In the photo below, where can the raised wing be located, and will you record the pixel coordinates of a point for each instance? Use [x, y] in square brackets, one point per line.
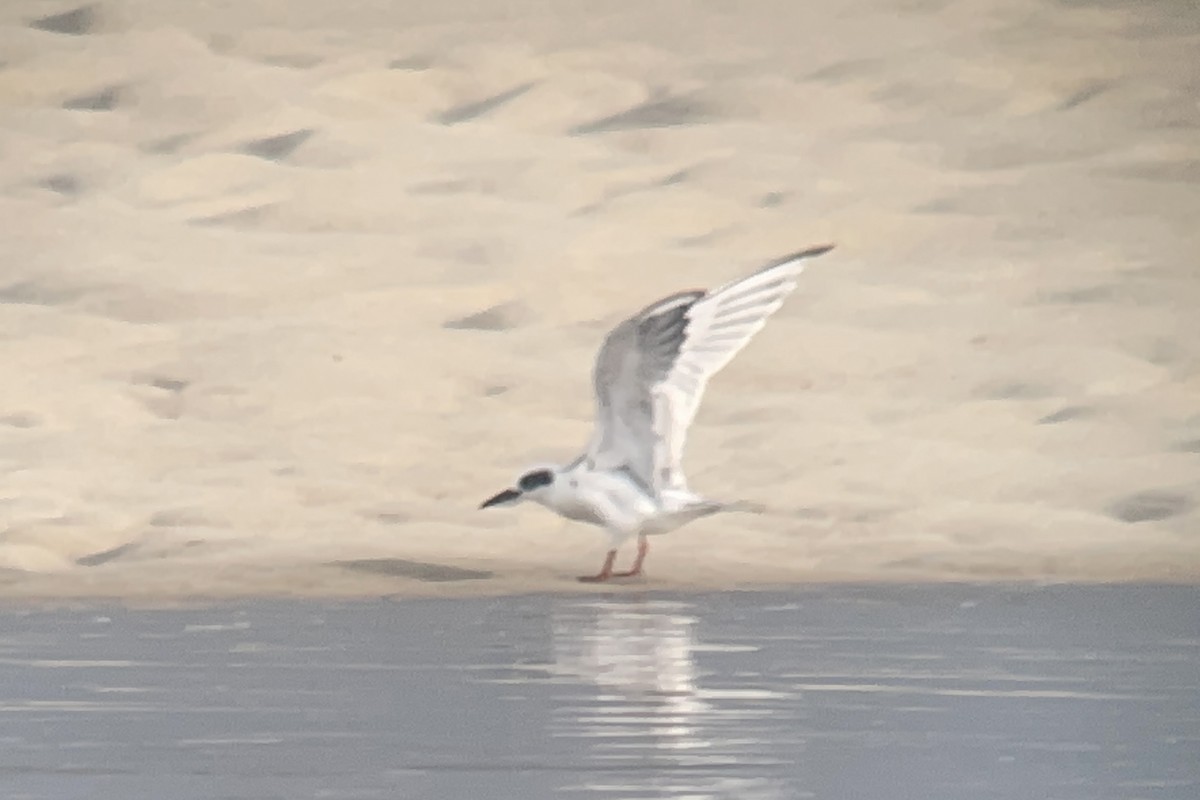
[652, 369]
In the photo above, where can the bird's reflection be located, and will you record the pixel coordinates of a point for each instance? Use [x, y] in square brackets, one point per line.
[641, 654]
[651, 730]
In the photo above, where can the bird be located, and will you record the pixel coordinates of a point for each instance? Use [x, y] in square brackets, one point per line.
[649, 377]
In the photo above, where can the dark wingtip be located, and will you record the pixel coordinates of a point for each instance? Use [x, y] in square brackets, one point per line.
[810, 252]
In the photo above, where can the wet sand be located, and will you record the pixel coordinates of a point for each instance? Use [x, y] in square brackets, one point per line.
[291, 286]
[928, 693]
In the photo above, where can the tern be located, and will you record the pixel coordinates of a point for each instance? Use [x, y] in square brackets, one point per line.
[649, 378]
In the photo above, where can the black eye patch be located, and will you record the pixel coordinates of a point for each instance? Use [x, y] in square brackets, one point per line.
[532, 480]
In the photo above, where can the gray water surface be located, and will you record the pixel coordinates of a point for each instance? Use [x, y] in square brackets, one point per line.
[837, 692]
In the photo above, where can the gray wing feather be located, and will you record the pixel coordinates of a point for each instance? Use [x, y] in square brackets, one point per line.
[636, 356]
[652, 369]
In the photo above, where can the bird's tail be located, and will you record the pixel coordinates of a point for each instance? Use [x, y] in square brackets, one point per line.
[744, 507]
[688, 501]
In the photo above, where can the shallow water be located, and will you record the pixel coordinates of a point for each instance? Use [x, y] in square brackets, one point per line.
[838, 692]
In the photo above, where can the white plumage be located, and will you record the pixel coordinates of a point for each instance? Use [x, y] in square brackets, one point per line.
[649, 378]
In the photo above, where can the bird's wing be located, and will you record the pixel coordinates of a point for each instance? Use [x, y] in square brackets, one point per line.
[652, 369]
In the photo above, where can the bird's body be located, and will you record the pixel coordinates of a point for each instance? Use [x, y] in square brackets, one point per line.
[649, 378]
[618, 501]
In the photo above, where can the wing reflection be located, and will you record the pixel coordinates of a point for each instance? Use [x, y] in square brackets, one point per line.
[642, 654]
[652, 729]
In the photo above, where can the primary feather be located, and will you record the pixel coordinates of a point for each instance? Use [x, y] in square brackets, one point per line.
[653, 368]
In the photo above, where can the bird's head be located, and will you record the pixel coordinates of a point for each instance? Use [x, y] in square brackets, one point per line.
[532, 485]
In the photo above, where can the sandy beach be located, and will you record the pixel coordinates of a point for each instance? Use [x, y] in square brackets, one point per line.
[288, 288]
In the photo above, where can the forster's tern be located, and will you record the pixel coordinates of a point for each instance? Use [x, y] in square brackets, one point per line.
[649, 377]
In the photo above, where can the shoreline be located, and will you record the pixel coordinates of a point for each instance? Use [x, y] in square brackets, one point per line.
[403, 579]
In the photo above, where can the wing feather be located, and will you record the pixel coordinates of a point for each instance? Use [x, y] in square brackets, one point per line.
[653, 368]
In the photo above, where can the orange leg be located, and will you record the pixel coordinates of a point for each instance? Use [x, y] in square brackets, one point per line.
[605, 571]
[643, 548]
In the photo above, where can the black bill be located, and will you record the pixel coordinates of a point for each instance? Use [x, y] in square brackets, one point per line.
[507, 496]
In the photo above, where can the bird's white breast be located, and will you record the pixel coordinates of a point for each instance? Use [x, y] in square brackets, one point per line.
[604, 498]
